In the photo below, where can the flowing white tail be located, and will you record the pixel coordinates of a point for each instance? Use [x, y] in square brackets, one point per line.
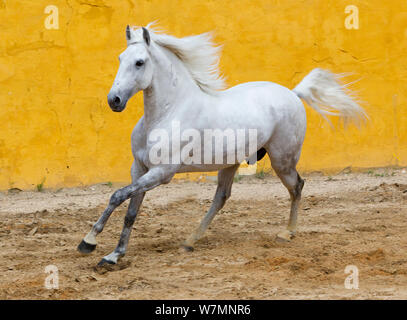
[322, 91]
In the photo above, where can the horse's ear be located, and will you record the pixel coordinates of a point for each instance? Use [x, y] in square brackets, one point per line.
[146, 36]
[128, 33]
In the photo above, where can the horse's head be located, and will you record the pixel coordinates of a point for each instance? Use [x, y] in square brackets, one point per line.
[135, 71]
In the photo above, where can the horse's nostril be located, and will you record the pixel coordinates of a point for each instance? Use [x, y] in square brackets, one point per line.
[117, 100]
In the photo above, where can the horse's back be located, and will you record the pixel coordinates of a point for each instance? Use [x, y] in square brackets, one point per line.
[275, 99]
[275, 104]
[266, 92]
[260, 85]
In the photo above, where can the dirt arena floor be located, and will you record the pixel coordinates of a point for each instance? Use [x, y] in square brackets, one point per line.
[347, 219]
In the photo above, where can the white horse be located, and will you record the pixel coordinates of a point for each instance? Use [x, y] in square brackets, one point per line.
[181, 82]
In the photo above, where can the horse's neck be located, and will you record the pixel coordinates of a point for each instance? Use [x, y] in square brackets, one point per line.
[171, 82]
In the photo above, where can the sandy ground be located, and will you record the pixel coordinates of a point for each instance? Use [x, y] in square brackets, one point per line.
[347, 219]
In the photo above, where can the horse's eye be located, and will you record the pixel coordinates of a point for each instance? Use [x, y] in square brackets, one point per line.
[139, 63]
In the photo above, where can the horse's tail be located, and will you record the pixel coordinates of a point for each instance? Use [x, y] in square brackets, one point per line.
[322, 91]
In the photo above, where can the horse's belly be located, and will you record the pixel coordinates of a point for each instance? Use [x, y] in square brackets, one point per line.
[202, 167]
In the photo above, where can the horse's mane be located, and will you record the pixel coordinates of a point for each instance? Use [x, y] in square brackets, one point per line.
[199, 55]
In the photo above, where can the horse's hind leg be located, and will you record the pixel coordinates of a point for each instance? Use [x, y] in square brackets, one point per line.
[223, 191]
[294, 184]
[284, 164]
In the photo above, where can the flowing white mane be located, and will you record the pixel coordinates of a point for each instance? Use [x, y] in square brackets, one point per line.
[199, 55]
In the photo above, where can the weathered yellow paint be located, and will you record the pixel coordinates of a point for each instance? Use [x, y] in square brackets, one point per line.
[55, 122]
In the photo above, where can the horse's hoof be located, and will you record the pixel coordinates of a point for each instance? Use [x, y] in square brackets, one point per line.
[85, 247]
[284, 236]
[106, 265]
[187, 248]
[104, 262]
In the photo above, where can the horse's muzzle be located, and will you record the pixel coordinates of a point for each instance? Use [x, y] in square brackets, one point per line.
[116, 103]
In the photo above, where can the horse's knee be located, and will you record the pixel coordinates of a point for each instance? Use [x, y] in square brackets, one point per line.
[117, 198]
[129, 219]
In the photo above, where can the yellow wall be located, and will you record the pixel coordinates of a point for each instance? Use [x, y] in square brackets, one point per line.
[55, 122]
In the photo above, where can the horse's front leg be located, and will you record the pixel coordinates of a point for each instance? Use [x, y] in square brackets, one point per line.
[136, 191]
[134, 206]
[88, 244]
[148, 181]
